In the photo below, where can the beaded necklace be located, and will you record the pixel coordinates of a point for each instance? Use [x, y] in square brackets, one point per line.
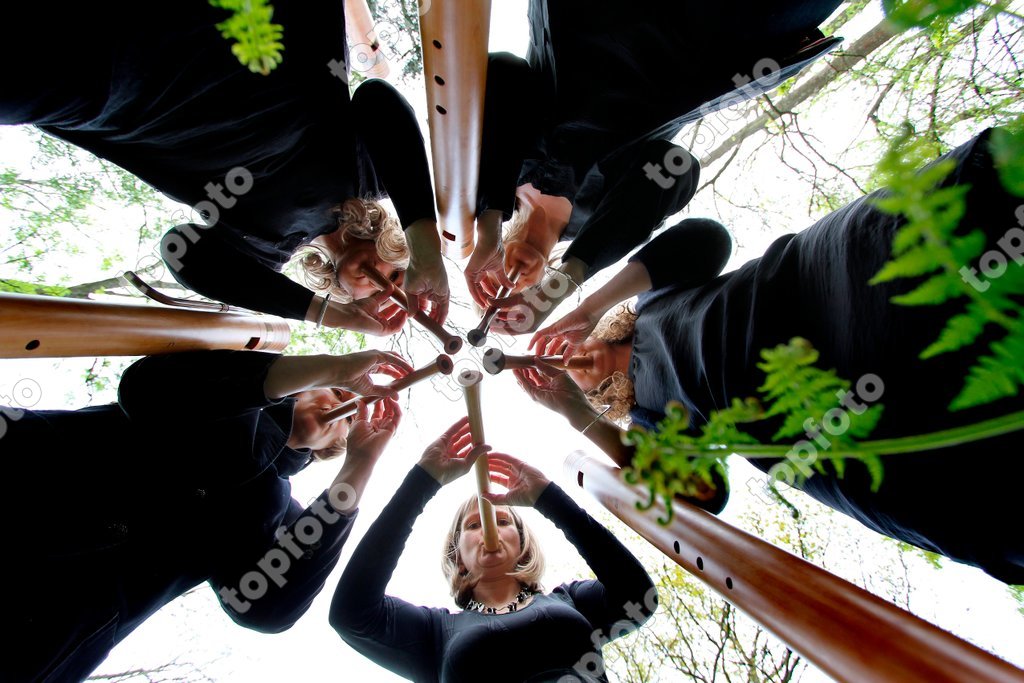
[522, 595]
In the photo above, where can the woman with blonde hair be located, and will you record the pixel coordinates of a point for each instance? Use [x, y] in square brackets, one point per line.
[268, 163]
[700, 345]
[508, 629]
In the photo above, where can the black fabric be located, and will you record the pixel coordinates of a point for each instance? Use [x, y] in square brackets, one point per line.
[604, 86]
[127, 506]
[167, 101]
[551, 634]
[701, 346]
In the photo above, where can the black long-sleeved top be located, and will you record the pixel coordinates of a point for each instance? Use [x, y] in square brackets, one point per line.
[602, 90]
[127, 506]
[540, 642]
[701, 346]
[167, 101]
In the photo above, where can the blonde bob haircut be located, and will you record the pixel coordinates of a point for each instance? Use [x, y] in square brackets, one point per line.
[529, 565]
[358, 219]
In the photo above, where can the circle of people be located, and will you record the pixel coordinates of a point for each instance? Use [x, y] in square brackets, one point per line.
[291, 166]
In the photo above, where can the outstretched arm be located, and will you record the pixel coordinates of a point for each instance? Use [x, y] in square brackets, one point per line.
[210, 385]
[294, 569]
[393, 633]
[636, 189]
[204, 261]
[391, 136]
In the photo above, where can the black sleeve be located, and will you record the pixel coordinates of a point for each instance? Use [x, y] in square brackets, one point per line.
[195, 386]
[625, 197]
[295, 572]
[398, 636]
[202, 260]
[623, 594]
[387, 128]
[511, 130]
[688, 254]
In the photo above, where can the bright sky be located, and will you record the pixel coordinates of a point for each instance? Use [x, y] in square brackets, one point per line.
[194, 629]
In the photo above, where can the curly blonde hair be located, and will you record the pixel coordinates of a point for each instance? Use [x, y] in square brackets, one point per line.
[615, 391]
[363, 219]
[529, 565]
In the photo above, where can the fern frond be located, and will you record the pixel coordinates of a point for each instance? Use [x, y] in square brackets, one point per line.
[960, 331]
[935, 290]
[996, 376]
[257, 41]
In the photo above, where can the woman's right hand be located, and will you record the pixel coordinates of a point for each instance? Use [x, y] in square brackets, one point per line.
[452, 454]
[567, 334]
[524, 483]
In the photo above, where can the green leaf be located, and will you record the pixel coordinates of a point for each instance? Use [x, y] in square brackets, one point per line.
[1008, 152]
[913, 262]
[257, 41]
[906, 14]
[987, 381]
[875, 468]
[934, 291]
[960, 331]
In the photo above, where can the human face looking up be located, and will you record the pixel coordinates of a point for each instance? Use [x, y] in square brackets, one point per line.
[607, 359]
[359, 253]
[481, 563]
[309, 429]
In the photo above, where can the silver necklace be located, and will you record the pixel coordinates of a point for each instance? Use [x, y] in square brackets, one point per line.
[522, 595]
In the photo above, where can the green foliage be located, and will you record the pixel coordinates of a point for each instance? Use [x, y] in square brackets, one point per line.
[672, 461]
[928, 245]
[906, 14]
[1008, 150]
[1018, 594]
[805, 394]
[310, 340]
[21, 287]
[257, 40]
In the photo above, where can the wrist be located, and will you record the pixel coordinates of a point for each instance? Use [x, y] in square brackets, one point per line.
[593, 309]
[580, 416]
[423, 239]
[313, 311]
[434, 474]
[488, 227]
[575, 269]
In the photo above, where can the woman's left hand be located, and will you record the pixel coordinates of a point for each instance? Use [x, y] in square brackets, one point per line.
[524, 483]
[352, 371]
[485, 272]
[372, 429]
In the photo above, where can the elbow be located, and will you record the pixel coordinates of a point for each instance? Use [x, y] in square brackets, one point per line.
[269, 621]
[177, 248]
[343, 616]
